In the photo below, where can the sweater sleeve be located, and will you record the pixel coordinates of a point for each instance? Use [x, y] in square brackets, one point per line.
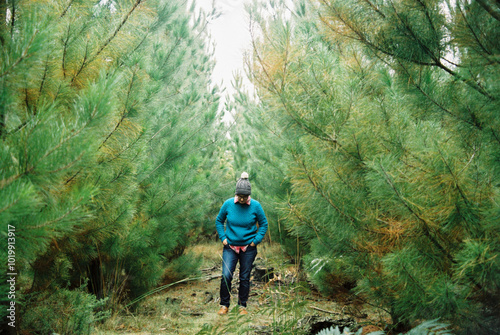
[261, 217]
[219, 222]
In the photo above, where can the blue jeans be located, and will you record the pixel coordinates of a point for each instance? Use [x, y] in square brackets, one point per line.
[229, 260]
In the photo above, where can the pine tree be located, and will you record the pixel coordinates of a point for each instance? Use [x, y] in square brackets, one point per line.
[260, 155]
[109, 126]
[388, 115]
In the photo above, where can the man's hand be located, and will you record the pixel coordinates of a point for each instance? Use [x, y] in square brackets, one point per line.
[224, 242]
[252, 244]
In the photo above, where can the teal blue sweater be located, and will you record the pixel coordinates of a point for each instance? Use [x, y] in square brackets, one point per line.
[241, 223]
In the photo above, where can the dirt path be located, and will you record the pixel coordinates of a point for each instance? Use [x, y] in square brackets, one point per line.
[279, 304]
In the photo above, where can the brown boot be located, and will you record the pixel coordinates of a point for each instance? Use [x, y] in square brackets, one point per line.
[243, 311]
[223, 310]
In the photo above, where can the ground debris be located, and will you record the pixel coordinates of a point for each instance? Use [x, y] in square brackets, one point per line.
[192, 313]
[315, 323]
[265, 330]
[211, 269]
[276, 305]
[172, 301]
[208, 297]
[263, 274]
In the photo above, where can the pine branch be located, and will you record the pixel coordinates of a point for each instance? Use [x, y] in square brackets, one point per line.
[188, 172]
[66, 9]
[415, 37]
[455, 178]
[322, 89]
[436, 60]
[427, 15]
[171, 51]
[185, 108]
[13, 18]
[124, 20]
[490, 8]
[24, 55]
[303, 221]
[308, 128]
[84, 62]
[432, 100]
[74, 176]
[44, 77]
[167, 159]
[4, 182]
[425, 224]
[422, 289]
[495, 135]
[374, 7]
[285, 63]
[358, 151]
[124, 112]
[125, 149]
[161, 288]
[324, 310]
[360, 297]
[9, 205]
[87, 60]
[26, 98]
[96, 229]
[322, 193]
[120, 174]
[121, 61]
[476, 37]
[62, 217]
[73, 135]
[360, 36]
[7, 181]
[67, 166]
[65, 50]
[311, 127]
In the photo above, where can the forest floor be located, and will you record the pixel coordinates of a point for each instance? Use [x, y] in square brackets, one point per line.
[287, 304]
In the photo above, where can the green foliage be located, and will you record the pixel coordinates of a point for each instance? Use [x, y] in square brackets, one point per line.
[109, 129]
[381, 118]
[333, 277]
[181, 267]
[263, 158]
[236, 324]
[81, 312]
[431, 327]
[285, 313]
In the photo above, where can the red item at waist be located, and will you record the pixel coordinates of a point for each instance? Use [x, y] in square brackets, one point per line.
[237, 249]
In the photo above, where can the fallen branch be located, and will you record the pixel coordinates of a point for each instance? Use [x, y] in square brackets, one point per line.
[193, 313]
[161, 288]
[213, 277]
[325, 311]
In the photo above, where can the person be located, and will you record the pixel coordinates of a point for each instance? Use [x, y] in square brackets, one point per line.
[245, 227]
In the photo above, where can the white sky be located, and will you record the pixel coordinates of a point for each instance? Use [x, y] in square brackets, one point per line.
[230, 33]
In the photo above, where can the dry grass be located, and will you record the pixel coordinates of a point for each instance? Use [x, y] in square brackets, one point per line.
[187, 307]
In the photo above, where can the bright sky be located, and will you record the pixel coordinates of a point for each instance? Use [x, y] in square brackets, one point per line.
[230, 32]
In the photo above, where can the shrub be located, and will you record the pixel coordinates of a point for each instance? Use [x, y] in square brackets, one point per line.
[62, 312]
[185, 266]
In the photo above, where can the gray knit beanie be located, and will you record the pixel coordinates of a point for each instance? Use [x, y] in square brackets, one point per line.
[243, 186]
